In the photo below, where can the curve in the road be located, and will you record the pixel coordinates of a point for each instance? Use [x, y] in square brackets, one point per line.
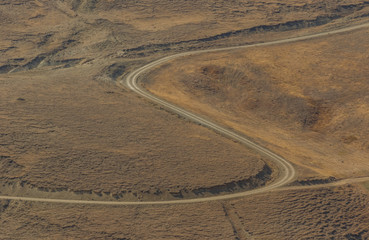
[286, 170]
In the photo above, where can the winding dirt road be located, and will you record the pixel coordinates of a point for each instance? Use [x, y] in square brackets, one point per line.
[286, 170]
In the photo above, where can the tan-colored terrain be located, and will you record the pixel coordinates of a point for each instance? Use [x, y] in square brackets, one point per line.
[307, 101]
[339, 213]
[63, 131]
[64, 33]
[68, 131]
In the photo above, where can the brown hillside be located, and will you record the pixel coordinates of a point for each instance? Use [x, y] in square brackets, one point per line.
[307, 100]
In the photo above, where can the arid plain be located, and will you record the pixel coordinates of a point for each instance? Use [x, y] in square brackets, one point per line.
[68, 130]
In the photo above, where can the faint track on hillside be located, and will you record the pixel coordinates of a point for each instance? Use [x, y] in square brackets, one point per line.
[286, 170]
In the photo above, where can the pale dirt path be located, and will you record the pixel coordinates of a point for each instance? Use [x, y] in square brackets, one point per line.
[187, 201]
[286, 170]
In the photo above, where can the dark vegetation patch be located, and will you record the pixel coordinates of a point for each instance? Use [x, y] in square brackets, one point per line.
[280, 27]
[44, 39]
[115, 70]
[4, 204]
[47, 59]
[8, 166]
[315, 181]
[6, 68]
[6, 49]
[260, 179]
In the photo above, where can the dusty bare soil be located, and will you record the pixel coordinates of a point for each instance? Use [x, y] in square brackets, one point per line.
[67, 131]
[307, 100]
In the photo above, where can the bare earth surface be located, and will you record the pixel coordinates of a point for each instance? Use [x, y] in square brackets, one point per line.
[68, 131]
